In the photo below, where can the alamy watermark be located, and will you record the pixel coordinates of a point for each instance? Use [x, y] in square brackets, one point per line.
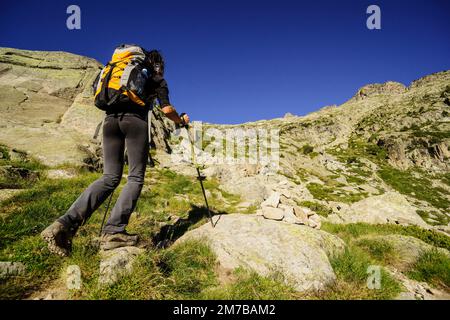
[73, 21]
[374, 20]
[73, 278]
[374, 278]
[233, 146]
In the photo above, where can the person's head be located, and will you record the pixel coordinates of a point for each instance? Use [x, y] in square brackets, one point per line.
[156, 61]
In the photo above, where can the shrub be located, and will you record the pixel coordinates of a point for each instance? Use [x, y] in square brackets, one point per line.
[433, 266]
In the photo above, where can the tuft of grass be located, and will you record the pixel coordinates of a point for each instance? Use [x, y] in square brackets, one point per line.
[352, 272]
[40, 267]
[439, 218]
[190, 265]
[317, 207]
[333, 193]
[379, 250]
[4, 153]
[29, 212]
[357, 149]
[432, 266]
[355, 179]
[434, 136]
[407, 183]
[347, 232]
[248, 285]
[181, 272]
[445, 178]
[23, 160]
[171, 193]
[26, 169]
[145, 283]
[24, 216]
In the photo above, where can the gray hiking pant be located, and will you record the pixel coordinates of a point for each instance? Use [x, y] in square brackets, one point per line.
[119, 130]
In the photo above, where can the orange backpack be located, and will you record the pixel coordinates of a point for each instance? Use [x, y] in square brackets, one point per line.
[123, 79]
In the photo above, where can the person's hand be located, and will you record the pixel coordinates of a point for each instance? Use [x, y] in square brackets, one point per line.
[184, 118]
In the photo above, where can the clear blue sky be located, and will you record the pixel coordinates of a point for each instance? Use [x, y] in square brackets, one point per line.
[232, 61]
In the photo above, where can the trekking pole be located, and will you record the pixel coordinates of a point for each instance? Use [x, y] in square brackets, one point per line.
[106, 213]
[200, 177]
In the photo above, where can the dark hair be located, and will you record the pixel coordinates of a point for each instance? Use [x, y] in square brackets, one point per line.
[156, 61]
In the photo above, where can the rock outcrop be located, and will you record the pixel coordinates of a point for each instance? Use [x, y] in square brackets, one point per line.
[390, 207]
[117, 263]
[48, 109]
[380, 89]
[46, 103]
[298, 252]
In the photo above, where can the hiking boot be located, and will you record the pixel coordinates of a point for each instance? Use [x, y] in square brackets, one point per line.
[58, 238]
[117, 240]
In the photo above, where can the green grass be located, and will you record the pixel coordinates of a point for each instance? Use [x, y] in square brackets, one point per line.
[333, 193]
[26, 214]
[433, 267]
[318, 208]
[358, 149]
[174, 194]
[248, 285]
[29, 212]
[362, 251]
[29, 166]
[413, 182]
[41, 267]
[4, 153]
[347, 232]
[188, 271]
[421, 188]
[191, 268]
[314, 154]
[355, 179]
[445, 178]
[22, 160]
[439, 218]
[181, 272]
[381, 251]
[351, 270]
[434, 136]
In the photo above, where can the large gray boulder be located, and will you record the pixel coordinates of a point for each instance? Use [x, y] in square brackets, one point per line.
[391, 207]
[298, 252]
[46, 103]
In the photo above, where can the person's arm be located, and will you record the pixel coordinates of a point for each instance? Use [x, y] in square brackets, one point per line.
[162, 92]
[170, 112]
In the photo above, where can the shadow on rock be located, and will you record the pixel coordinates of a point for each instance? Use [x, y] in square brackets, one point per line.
[171, 232]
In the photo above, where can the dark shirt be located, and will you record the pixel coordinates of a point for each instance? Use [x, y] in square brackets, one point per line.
[155, 88]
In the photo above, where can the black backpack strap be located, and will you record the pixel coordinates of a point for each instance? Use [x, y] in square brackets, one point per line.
[97, 130]
[103, 95]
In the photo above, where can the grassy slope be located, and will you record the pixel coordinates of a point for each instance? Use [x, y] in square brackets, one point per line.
[184, 272]
[187, 271]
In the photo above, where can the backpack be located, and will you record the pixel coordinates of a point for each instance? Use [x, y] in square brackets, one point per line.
[123, 79]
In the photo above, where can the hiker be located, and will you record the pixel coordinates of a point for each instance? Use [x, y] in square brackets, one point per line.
[125, 126]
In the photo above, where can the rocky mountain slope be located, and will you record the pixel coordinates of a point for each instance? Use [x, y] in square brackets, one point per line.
[46, 103]
[361, 185]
